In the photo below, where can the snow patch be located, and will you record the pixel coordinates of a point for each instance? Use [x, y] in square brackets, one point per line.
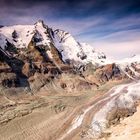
[122, 100]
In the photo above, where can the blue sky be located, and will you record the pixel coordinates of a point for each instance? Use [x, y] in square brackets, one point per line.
[111, 26]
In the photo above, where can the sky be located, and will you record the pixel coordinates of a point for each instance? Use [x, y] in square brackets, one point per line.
[110, 26]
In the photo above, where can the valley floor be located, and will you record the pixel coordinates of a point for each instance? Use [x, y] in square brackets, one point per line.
[54, 117]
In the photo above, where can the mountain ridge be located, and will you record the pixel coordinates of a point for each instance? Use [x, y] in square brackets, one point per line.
[64, 87]
[62, 40]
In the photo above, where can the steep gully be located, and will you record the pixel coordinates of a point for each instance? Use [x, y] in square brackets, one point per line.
[119, 102]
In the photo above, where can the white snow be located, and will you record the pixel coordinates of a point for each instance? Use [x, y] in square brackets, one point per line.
[128, 61]
[121, 100]
[93, 56]
[116, 98]
[43, 33]
[127, 64]
[2, 41]
[65, 43]
[73, 50]
[24, 32]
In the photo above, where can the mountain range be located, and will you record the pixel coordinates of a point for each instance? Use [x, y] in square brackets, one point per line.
[48, 72]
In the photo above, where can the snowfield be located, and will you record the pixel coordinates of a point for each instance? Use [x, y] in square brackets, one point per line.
[24, 34]
[21, 35]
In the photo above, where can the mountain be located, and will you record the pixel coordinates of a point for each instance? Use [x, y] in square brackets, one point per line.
[73, 50]
[29, 49]
[55, 87]
[20, 36]
[130, 66]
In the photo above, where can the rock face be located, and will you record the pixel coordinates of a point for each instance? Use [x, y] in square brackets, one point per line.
[57, 44]
[127, 128]
[28, 50]
[73, 50]
[110, 71]
[37, 60]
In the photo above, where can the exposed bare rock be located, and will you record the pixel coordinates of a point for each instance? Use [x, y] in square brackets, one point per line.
[126, 129]
[55, 88]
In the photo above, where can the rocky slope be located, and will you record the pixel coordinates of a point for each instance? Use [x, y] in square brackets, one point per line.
[20, 36]
[68, 81]
[27, 50]
[127, 129]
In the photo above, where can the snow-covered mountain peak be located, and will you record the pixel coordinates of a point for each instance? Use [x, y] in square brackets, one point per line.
[19, 35]
[41, 35]
[41, 32]
[74, 50]
[40, 23]
[62, 35]
[3, 40]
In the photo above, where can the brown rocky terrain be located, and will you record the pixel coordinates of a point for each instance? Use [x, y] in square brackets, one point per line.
[128, 128]
[41, 103]
[45, 97]
[44, 115]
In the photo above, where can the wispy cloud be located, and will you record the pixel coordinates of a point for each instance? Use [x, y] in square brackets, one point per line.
[105, 23]
[118, 50]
